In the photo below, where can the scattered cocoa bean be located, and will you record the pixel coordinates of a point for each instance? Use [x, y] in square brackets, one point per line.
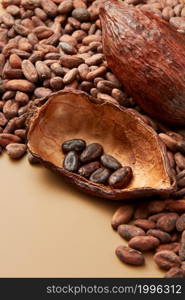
[8, 138]
[130, 256]
[122, 215]
[129, 231]
[182, 247]
[167, 222]
[15, 150]
[174, 272]
[170, 246]
[144, 224]
[164, 237]
[167, 259]
[144, 243]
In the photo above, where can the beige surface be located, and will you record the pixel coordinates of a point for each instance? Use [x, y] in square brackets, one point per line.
[48, 229]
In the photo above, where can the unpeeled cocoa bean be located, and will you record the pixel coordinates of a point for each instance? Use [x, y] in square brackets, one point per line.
[170, 246]
[121, 177]
[21, 133]
[70, 76]
[164, 237]
[129, 231]
[19, 85]
[144, 224]
[167, 259]
[41, 92]
[56, 83]
[96, 73]
[182, 247]
[88, 169]
[15, 150]
[21, 98]
[49, 7]
[141, 211]
[77, 145]
[10, 109]
[156, 206]
[122, 215]
[3, 120]
[174, 272]
[29, 71]
[130, 256]
[110, 162]
[15, 61]
[144, 243]
[167, 222]
[180, 224]
[43, 70]
[72, 61]
[7, 138]
[170, 143]
[65, 7]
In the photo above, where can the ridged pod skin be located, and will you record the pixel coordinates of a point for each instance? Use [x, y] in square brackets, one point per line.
[147, 55]
[70, 114]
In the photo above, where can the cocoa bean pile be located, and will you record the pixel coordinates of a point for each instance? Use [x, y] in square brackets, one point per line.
[91, 162]
[48, 45]
[158, 226]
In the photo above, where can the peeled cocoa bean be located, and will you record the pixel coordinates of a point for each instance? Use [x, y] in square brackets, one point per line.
[121, 177]
[167, 259]
[71, 162]
[92, 152]
[144, 243]
[164, 237]
[130, 256]
[122, 215]
[101, 175]
[129, 231]
[88, 169]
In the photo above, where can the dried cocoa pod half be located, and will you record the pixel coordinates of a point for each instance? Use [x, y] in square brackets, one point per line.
[144, 152]
[148, 48]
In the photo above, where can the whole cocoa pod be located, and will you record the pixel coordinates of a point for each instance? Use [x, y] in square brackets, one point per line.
[147, 56]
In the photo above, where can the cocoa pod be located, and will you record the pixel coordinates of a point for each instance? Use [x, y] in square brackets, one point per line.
[29, 71]
[122, 215]
[19, 85]
[130, 256]
[167, 259]
[137, 50]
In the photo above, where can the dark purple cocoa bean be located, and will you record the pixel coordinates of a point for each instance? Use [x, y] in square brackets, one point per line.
[144, 224]
[122, 215]
[130, 256]
[77, 145]
[101, 175]
[88, 169]
[92, 152]
[144, 243]
[167, 222]
[164, 237]
[110, 162]
[121, 177]
[71, 162]
[167, 259]
[129, 231]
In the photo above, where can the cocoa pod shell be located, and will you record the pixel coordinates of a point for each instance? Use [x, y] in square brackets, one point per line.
[143, 51]
[142, 145]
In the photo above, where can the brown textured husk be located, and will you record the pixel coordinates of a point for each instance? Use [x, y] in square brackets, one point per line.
[70, 114]
[147, 55]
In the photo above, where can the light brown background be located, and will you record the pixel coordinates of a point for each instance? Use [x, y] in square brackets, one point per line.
[49, 229]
